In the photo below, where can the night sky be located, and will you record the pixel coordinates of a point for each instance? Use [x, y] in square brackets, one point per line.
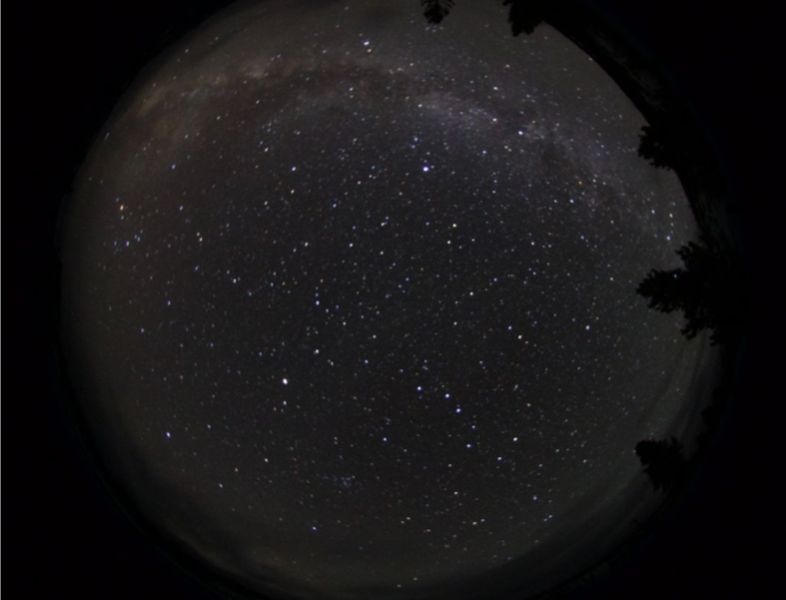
[352, 306]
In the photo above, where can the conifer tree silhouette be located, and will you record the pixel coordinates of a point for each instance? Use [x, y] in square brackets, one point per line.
[658, 146]
[436, 10]
[525, 15]
[663, 462]
[707, 289]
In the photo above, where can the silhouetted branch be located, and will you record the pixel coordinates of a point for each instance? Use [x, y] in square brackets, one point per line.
[656, 147]
[436, 10]
[663, 462]
[525, 15]
[707, 289]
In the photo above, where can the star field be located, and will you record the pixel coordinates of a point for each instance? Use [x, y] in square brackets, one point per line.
[357, 297]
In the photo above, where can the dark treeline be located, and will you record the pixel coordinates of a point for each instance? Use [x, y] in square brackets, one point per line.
[663, 462]
[708, 289]
[523, 15]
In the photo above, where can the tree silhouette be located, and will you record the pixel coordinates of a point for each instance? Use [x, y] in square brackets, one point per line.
[657, 146]
[707, 289]
[663, 462]
[525, 15]
[436, 10]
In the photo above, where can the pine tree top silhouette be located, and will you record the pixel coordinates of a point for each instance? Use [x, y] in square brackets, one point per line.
[707, 289]
[657, 146]
[436, 10]
[524, 15]
[663, 462]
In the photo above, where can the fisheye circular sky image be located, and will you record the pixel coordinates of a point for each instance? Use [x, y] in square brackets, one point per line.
[349, 300]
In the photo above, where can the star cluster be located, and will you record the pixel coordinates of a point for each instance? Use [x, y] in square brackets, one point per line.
[357, 296]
